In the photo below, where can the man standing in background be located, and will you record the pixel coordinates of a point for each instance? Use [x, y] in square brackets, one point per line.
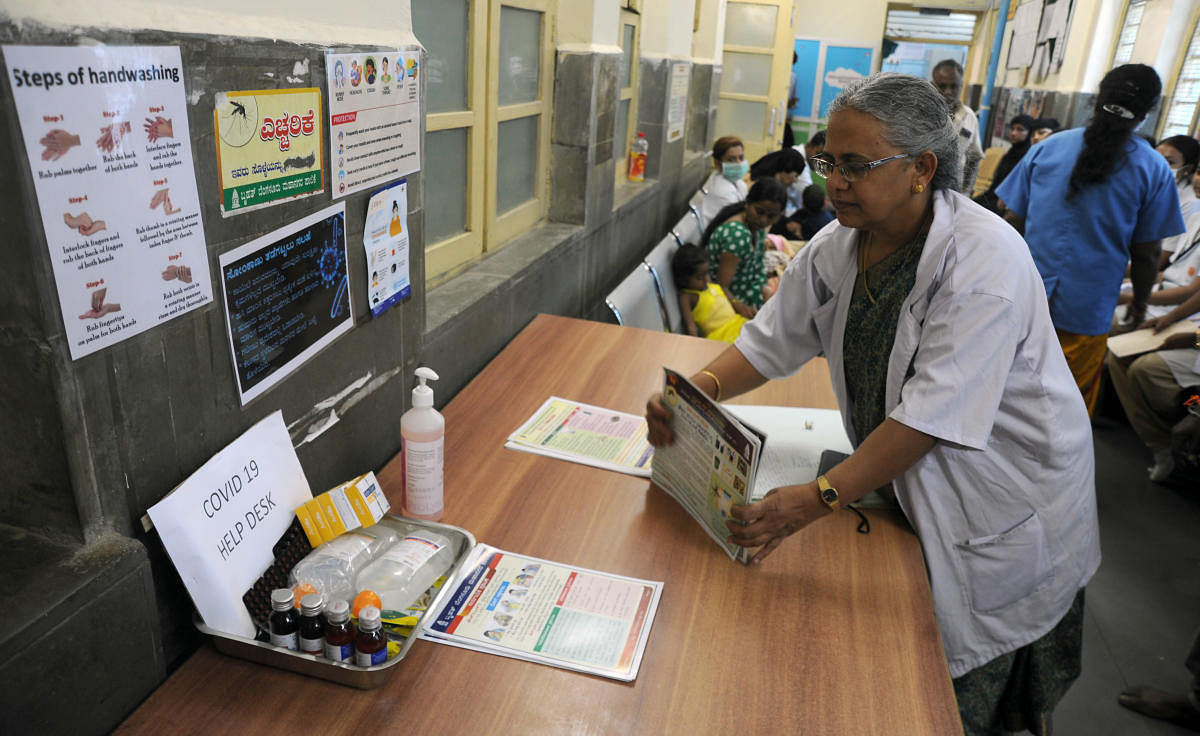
[948, 78]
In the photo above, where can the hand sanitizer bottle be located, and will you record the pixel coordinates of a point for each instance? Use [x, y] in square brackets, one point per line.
[422, 435]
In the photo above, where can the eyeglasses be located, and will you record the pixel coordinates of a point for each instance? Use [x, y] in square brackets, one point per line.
[851, 171]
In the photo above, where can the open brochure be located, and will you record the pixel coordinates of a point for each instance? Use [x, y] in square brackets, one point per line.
[720, 456]
[531, 609]
[591, 435]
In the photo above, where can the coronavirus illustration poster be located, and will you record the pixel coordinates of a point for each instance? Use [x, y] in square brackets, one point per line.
[268, 147]
[287, 297]
[106, 132]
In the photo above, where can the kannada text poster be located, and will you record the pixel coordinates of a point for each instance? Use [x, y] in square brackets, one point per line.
[106, 131]
[374, 118]
[287, 297]
[268, 147]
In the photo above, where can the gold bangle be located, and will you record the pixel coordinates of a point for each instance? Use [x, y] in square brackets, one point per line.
[716, 380]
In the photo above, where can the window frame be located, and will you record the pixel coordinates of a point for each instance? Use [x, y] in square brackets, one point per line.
[1193, 39]
[1112, 57]
[500, 228]
[628, 17]
[449, 254]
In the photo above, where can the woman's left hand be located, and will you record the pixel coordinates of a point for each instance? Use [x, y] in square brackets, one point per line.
[783, 512]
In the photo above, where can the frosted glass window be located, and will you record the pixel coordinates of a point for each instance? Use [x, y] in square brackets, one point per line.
[750, 25]
[747, 120]
[746, 74]
[627, 55]
[445, 184]
[444, 27]
[516, 159]
[520, 49]
[621, 131]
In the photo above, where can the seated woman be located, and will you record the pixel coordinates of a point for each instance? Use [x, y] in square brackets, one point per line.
[1018, 135]
[707, 311]
[786, 165]
[726, 185]
[1149, 386]
[987, 449]
[1177, 281]
[735, 239]
[1182, 153]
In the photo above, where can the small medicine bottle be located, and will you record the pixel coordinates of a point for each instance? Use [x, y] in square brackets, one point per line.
[284, 623]
[339, 632]
[370, 645]
[312, 628]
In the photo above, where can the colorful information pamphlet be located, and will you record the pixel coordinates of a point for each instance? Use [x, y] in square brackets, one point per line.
[712, 463]
[106, 132]
[268, 147]
[720, 456]
[374, 118]
[287, 297]
[539, 611]
[385, 238]
[586, 434]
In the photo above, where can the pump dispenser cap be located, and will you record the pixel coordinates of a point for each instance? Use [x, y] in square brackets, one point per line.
[422, 395]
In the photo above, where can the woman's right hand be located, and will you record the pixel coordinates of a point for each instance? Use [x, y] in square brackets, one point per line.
[658, 419]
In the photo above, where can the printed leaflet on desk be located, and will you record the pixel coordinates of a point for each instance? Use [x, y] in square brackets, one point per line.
[528, 608]
[591, 435]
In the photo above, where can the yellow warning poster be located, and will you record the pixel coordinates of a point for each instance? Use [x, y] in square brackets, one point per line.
[268, 147]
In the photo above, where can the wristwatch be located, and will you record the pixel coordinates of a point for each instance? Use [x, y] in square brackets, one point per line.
[827, 493]
[1197, 345]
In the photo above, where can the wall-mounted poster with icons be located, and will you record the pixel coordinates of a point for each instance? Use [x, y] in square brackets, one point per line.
[268, 147]
[106, 132]
[374, 118]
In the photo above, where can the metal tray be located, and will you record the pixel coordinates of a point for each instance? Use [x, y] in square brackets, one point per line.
[350, 675]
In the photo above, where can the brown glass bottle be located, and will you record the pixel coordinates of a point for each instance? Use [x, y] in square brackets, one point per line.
[284, 623]
[339, 633]
[312, 628]
[370, 645]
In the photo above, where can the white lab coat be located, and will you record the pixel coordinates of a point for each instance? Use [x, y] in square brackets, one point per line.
[1004, 503]
[721, 193]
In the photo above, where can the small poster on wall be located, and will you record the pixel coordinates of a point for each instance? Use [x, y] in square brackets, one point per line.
[843, 65]
[677, 108]
[106, 132]
[268, 147]
[287, 297]
[374, 118]
[385, 239]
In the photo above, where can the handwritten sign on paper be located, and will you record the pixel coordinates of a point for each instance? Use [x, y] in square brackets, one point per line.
[219, 525]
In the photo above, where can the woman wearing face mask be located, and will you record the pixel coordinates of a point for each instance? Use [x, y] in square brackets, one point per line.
[1182, 153]
[735, 244]
[727, 183]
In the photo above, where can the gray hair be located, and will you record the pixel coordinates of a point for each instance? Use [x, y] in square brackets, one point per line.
[915, 119]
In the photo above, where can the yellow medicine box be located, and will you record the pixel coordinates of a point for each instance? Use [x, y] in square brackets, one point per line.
[357, 503]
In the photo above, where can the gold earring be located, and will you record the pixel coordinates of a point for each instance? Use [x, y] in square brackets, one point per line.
[918, 188]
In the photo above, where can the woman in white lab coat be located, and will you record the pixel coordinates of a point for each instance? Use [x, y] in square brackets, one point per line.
[954, 392]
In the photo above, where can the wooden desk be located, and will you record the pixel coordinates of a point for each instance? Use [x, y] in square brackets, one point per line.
[833, 634]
